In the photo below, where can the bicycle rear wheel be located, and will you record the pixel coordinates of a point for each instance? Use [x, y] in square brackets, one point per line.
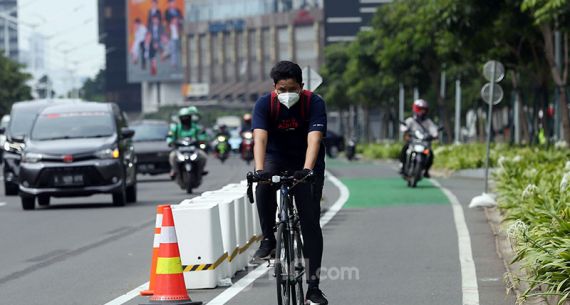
[282, 266]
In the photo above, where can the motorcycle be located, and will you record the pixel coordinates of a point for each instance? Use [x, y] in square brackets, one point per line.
[190, 164]
[417, 154]
[351, 149]
[246, 147]
[222, 147]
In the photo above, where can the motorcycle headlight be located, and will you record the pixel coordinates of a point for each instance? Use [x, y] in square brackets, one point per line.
[202, 146]
[221, 139]
[248, 135]
[7, 146]
[193, 157]
[108, 154]
[180, 156]
[31, 158]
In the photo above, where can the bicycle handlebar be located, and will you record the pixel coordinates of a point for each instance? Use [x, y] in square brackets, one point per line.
[275, 180]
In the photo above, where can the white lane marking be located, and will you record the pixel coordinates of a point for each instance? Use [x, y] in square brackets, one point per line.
[129, 295]
[243, 283]
[258, 272]
[468, 272]
[236, 288]
[2, 204]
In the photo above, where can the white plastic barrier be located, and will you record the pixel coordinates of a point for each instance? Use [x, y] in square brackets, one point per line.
[240, 222]
[199, 233]
[228, 226]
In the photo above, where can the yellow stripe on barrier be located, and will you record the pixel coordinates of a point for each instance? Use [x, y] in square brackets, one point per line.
[206, 267]
[168, 265]
[234, 254]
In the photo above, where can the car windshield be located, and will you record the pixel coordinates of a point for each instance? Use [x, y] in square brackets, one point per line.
[73, 125]
[150, 132]
[21, 121]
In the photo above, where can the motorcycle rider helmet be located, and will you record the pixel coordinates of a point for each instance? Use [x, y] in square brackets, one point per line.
[186, 115]
[420, 109]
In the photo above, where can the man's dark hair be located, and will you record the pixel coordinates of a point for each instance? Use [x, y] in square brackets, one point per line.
[286, 70]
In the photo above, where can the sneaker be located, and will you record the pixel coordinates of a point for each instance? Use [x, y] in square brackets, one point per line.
[266, 249]
[315, 297]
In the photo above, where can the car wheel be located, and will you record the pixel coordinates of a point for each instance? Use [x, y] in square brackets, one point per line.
[132, 193]
[44, 201]
[28, 203]
[10, 188]
[120, 197]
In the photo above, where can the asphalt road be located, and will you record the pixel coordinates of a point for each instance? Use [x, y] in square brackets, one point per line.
[389, 245]
[84, 250]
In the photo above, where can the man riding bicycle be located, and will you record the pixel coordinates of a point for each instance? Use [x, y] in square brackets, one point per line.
[289, 125]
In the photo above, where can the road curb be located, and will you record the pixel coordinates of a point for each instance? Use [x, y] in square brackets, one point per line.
[514, 274]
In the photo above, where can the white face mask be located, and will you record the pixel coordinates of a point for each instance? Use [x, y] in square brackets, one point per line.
[288, 99]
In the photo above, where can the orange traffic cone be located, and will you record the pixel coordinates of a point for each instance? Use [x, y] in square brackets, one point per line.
[155, 246]
[169, 285]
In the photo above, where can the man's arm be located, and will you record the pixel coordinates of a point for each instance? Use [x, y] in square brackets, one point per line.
[259, 148]
[314, 139]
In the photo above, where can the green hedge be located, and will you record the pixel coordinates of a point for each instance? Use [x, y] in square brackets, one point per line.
[534, 196]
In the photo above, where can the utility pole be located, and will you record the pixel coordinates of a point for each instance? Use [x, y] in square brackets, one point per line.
[401, 109]
[457, 111]
[558, 102]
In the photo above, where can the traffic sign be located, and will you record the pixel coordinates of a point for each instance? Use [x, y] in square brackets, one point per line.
[311, 79]
[497, 93]
[494, 76]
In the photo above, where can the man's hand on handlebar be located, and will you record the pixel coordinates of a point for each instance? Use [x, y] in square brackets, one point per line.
[303, 174]
[261, 175]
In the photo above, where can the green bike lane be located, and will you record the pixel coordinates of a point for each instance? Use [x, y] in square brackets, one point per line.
[394, 245]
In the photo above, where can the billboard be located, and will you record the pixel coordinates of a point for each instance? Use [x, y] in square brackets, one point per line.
[154, 38]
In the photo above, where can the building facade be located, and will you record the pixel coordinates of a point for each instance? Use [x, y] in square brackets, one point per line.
[232, 45]
[9, 28]
[113, 34]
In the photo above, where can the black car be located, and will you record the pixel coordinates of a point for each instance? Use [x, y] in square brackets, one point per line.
[78, 150]
[151, 148]
[334, 144]
[22, 117]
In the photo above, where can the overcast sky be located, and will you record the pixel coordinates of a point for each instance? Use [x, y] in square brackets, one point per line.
[68, 25]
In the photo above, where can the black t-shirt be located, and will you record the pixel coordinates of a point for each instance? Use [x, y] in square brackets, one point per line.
[287, 138]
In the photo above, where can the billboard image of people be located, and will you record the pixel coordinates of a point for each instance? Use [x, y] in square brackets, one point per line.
[155, 29]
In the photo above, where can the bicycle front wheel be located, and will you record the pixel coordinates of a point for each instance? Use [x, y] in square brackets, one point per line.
[298, 263]
[282, 266]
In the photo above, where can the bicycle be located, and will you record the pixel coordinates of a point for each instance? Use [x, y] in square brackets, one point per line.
[288, 266]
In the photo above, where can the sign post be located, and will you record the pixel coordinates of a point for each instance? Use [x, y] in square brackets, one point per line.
[492, 94]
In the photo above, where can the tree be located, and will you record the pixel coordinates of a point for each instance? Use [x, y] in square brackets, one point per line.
[13, 87]
[551, 16]
[94, 88]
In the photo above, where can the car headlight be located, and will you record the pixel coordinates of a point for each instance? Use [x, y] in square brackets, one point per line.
[13, 147]
[31, 158]
[108, 154]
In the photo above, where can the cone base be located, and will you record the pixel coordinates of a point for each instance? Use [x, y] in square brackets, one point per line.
[173, 303]
[147, 292]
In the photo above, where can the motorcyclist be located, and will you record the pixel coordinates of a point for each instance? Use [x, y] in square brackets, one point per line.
[418, 121]
[246, 123]
[223, 131]
[187, 127]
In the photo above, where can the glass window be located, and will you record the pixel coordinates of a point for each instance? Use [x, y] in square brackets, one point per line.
[204, 59]
[267, 49]
[306, 43]
[150, 132]
[283, 44]
[253, 50]
[21, 121]
[73, 125]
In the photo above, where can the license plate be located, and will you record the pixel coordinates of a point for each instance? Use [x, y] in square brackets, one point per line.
[146, 167]
[68, 180]
[188, 167]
